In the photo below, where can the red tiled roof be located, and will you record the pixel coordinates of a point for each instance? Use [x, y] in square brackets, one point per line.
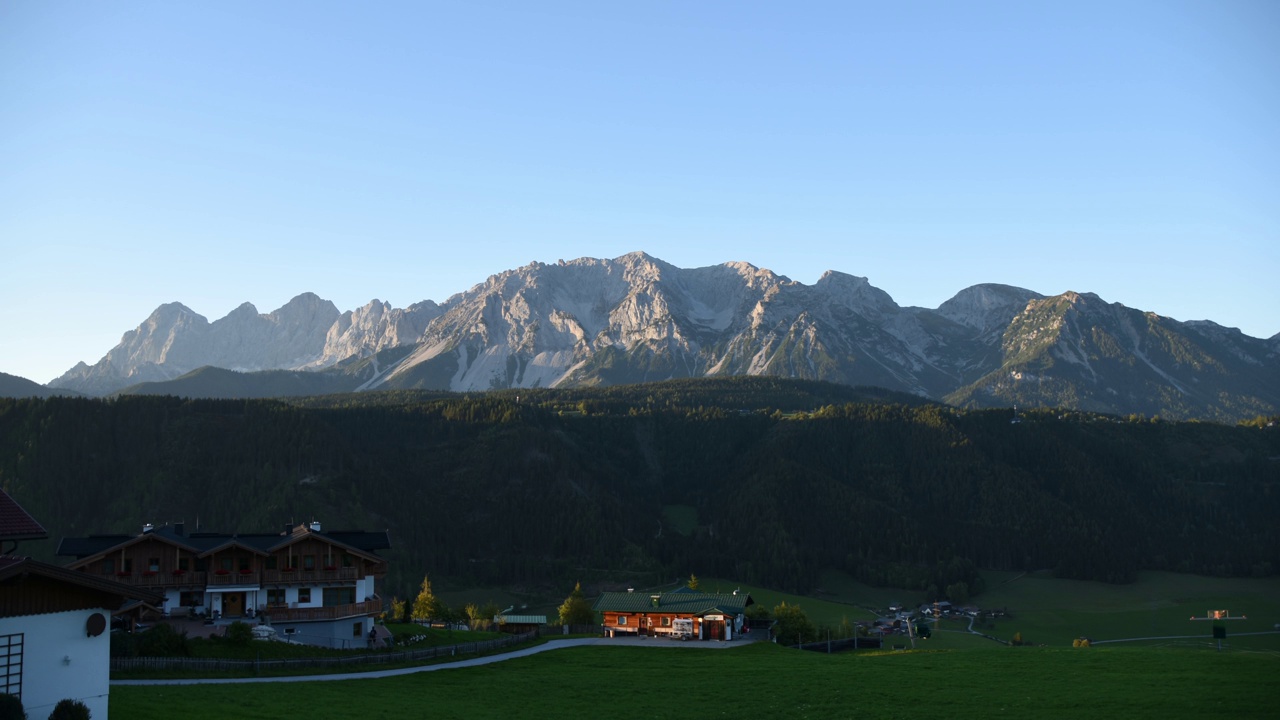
[15, 523]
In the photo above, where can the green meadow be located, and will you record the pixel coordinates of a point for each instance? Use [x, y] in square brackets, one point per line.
[764, 681]
[1053, 612]
[954, 674]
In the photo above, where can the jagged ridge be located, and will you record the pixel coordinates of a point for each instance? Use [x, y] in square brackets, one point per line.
[638, 319]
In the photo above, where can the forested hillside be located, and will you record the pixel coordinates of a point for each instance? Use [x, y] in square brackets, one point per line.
[762, 479]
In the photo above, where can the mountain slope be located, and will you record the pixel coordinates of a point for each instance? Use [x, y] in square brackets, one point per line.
[1078, 351]
[635, 318]
[638, 319]
[12, 386]
[784, 479]
[175, 340]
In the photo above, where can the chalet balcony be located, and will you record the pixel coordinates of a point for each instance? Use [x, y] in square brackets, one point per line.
[230, 578]
[310, 577]
[233, 577]
[334, 612]
[162, 579]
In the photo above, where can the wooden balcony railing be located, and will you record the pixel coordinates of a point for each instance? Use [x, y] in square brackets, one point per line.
[215, 578]
[161, 579]
[234, 577]
[283, 614]
[310, 576]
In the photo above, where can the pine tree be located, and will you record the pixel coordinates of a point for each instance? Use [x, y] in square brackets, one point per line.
[693, 581]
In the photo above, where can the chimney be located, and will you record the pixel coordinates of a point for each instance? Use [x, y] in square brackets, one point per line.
[655, 599]
[288, 528]
[180, 529]
[148, 528]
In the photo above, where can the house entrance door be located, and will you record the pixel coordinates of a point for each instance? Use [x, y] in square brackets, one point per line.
[233, 604]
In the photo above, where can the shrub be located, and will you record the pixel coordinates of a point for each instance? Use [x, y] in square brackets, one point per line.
[162, 641]
[11, 708]
[123, 644]
[239, 634]
[70, 710]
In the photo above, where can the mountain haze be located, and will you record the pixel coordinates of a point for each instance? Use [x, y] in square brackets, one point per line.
[638, 319]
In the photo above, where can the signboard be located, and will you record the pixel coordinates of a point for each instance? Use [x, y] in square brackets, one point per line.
[714, 617]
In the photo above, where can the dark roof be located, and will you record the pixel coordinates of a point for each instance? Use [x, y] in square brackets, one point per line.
[683, 602]
[206, 542]
[16, 523]
[15, 572]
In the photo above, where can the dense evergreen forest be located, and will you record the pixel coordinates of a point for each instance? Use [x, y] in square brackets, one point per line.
[766, 480]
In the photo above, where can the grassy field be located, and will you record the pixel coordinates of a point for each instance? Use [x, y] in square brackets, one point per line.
[1049, 611]
[762, 681]
[953, 674]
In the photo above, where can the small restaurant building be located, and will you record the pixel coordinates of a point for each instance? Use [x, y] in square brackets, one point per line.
[713, 616]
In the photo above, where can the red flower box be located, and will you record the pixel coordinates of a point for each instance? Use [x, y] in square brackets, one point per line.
[330, 568]
[179, 573]
[149, 573]
[122, 573]
[246, 571]
[221, 572]
[290, 569]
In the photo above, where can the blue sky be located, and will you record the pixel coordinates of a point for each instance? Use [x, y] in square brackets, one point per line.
[217, 153]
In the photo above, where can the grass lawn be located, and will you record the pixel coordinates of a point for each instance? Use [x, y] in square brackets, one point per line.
[1054, 612]
[764, 680]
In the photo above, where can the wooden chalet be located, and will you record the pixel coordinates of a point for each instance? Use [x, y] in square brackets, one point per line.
[713, 616]
[312, 586]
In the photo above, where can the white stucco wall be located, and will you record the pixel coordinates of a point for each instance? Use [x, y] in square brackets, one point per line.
[332, 634]
[61, 661]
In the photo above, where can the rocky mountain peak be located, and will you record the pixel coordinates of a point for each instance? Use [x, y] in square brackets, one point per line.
[987, 305]
[636, 318]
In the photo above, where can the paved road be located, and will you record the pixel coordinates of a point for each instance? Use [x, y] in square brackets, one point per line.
[470, 662]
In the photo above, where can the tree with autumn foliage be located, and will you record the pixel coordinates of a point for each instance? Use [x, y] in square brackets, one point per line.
[575, 610]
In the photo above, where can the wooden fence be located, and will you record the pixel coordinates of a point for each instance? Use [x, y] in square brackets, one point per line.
[258, 666]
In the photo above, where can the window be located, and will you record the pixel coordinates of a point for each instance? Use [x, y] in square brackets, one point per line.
[346, 560]
[126, 565]
[357, 630]
[184, 564]
[276, 597]
[333, 597]
[308, 562]
[191, 598]
[244, 564]
[227, 564]
[11, 647]
[304, 595]
[153, 564]
[108, 566]
[622, 619]
[272, 562]
[666, 621]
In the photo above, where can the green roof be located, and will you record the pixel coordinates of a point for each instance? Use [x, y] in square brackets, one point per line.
[522, 619]
[683, 602]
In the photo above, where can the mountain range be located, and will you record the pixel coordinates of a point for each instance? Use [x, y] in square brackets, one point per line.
[637, 319]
